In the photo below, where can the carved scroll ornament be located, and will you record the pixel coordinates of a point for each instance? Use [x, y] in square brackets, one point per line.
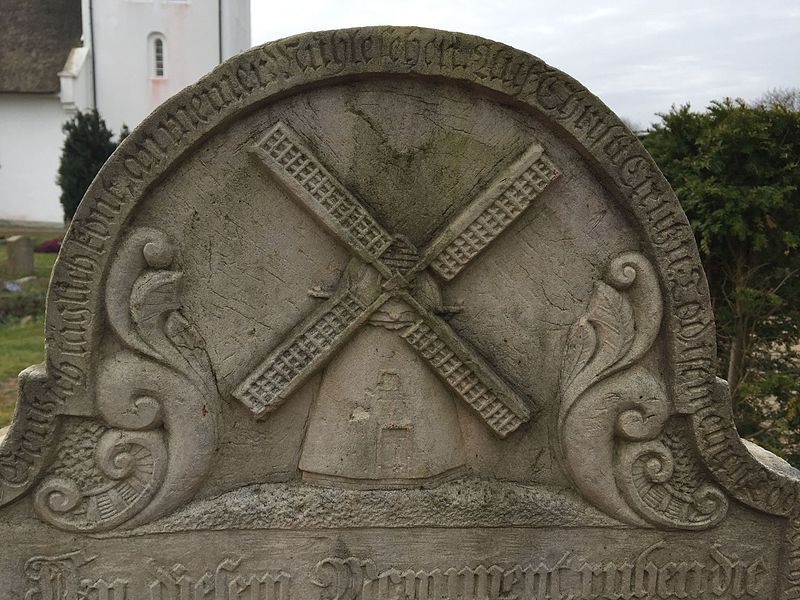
[618, 443]
[156, 399]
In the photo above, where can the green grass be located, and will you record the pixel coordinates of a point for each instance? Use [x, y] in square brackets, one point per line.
[22, 342]
[42, 266]
[21, 345]
[42, 263]
[37, 234]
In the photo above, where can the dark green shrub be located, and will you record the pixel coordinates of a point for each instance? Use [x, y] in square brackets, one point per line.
[87, 145]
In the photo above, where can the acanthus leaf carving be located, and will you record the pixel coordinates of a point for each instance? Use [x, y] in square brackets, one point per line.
[156, 397]
[616, 410]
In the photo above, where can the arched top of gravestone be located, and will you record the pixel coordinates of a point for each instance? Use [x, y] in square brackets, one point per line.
[289, 66]
[238, 240]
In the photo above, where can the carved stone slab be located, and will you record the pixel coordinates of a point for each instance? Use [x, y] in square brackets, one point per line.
[385, 313]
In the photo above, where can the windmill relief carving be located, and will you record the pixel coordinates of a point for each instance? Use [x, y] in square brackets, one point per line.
[392, 286]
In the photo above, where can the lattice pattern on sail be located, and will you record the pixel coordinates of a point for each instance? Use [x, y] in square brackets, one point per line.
[490, 223]
[320, 186]
[265, 386]
[461, 378]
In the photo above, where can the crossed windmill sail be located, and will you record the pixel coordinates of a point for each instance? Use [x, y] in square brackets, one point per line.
[318, 337]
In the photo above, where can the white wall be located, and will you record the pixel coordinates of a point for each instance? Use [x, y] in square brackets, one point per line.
[127, 90]
[235, 27]
[30, 150]
[76, 82]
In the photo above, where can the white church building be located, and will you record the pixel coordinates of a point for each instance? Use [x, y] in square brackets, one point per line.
[123, 57]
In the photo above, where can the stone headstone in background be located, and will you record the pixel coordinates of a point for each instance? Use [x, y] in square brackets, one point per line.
[19, 256]
[385, 313]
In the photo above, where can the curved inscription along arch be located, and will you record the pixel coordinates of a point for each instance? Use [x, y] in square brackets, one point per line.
[74, 312]
[154, 437]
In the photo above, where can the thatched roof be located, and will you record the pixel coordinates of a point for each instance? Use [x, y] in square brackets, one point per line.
[35, 39]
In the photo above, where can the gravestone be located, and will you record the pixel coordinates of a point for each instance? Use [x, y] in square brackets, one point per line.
[19, 256]
[385, 313]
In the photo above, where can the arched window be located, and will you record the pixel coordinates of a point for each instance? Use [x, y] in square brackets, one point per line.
[158, 49]
[157, 54]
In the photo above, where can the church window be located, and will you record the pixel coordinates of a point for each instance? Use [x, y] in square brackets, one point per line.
[157, 53]
[159, 57]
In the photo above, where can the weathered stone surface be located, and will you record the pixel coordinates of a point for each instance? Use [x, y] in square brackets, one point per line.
[385, 313]
[19, 256]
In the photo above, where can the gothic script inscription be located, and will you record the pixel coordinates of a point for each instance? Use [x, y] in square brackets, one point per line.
[648, 574]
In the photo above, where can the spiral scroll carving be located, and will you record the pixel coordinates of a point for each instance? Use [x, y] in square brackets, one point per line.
[101, 477]
[615, 409]
[157, 399]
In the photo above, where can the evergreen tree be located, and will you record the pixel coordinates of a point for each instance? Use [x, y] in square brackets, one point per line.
[87, 145]
[123, 133]
[736, 169]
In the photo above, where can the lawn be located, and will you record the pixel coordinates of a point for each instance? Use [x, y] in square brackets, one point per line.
[22, 340]
[37, 234]
[21, 345]
[42, 263]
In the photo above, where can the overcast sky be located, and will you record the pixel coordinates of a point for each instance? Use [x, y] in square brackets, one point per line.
[638, 56]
